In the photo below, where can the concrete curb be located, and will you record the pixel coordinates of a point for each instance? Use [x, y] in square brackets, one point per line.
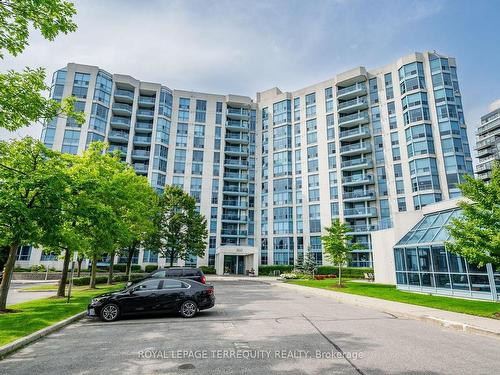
[351, 299]
[24, 341]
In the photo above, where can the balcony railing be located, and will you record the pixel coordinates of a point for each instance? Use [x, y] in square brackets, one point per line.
[233, 232]
[145, 112]
[120, 120]
[243, 150]
[353, 132]
[238, 111]
[352, 102]
[354, 162]
[355, 116]
[364, 211]
[239, 137]
[142, 139]
[354, 147]
[147, 99]
[234, 203]
[349, 89]
[359, 194]
[141, 167]
[241, 176]
[358, 178]
[117, 134]
[128, 94]
[144, 126]
[123, 107]
[140, 153]
[235, 189]
[236, 162]
[228, 217]
[363, 228]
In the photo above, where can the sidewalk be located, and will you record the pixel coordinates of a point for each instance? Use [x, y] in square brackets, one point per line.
[448, 319]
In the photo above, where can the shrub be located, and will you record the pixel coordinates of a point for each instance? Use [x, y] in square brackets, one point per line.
[121, 278]
[150, 268]
[289, 276]
[269, 270]
[38, 268]
[208, 270]
[20, 269]
[350, 272]
[85, 280]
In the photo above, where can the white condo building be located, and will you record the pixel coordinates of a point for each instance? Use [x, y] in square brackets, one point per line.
[270, 173]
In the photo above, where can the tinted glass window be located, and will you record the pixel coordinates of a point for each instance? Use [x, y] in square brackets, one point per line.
[174, 273]
[148, 285]
[190, 273]
[173, 284]
[159, 274]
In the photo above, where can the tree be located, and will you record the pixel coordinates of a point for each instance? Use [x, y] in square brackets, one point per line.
[337, 244]
[114, 203]
[51, 17]
[475, 235]
[299, 264]
[309, 264]
[33, 187]
[180, 231]
[22, 100]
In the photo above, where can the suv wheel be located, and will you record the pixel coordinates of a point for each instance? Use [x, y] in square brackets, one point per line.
[188, 309]
[110, 312]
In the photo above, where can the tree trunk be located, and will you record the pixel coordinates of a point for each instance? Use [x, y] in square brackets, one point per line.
[111, 264]
[64, 277]
[7, 275]
[79, 261]
[93, 271]
[171, 259]
[340, 274]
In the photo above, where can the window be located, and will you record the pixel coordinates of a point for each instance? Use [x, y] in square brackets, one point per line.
[148, 285]
[81, 85]
[71, 141]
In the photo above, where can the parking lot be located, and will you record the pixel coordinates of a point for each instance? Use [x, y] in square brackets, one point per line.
[258, 328]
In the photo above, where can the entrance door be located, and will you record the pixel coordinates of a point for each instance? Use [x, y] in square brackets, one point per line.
[241, 265]
[230, 264]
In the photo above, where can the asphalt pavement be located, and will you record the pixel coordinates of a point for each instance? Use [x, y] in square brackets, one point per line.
[258, 328]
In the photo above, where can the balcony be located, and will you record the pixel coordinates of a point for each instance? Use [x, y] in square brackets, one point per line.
[140, 154]
[232, 176]
[124, 95]
[118, 137]
[234, 218]
[120, 122]
[237, 138]
[487, 142]
[360, 212]
[238, 113]
[122, 109]
[235, 190]
[362, 179]
[353, 105]
[147, 101]
[356, 164]
[359, 196]
[143, 127]
[234, 204]
[237, 126]
[486, 151]
[234, 232]
[145, 114]
[236, 164]
[145, 141]
[354, 134]
[121, 149]
[141, 168]
[355, 119]
[355, 149]
[362, 228]
[352, 91]
[236, 150]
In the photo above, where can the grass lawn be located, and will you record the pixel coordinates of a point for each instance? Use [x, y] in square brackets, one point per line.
[389, 292]
[35, 315]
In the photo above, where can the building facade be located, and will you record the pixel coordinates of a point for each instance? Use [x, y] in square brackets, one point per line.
[359, 147]
[488, 141]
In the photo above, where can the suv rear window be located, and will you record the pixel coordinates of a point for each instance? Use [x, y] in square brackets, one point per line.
[191, 273]
[174, 273]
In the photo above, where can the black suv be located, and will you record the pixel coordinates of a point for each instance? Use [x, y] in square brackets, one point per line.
[188, 273]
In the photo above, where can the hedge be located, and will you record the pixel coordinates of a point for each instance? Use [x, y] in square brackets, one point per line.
[85, 280]
[354, 272]
[208, 270]
[150, 268]
[121, 267]
[269, 270]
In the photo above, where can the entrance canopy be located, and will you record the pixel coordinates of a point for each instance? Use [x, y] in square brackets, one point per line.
[233, 259]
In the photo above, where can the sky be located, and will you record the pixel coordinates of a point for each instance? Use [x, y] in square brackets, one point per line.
[241, 47]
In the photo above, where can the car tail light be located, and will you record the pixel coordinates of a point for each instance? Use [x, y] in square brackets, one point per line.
[203, 279]
[210, 290]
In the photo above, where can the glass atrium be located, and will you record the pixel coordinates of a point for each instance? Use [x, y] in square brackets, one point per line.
[423, 264]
